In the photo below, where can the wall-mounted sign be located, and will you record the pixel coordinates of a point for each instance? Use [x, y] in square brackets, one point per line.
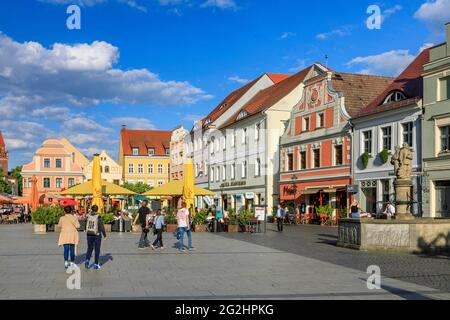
[249, 195]
[233, 184]
[352, 188]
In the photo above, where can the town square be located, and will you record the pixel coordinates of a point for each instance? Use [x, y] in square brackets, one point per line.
[155, 158]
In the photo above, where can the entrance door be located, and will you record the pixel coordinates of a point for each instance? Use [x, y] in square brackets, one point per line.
[443, 199]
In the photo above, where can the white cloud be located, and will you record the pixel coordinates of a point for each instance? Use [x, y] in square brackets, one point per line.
[191, 117]
[287, 35]
[390, 63]
[90, 3]
[82, 123]
[238, 79]
[435, 13]
[340, 32]
[133, 123]
[221, 4]
[426, 46]
[300, 65]
[389, 12]
[52, 113]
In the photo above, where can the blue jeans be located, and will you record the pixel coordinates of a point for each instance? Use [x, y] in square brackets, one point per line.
[69, 248]
[182, 231]
[356, 215]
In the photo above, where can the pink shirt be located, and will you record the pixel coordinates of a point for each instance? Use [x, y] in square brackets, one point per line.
[183, 218]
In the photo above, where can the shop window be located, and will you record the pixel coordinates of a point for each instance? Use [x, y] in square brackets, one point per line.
[445, 138]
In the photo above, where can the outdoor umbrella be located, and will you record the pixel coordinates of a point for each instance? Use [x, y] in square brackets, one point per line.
[5, 200]
[97, 184]
[188, 184]
[175, 189]
[86, 189]
[34, 197]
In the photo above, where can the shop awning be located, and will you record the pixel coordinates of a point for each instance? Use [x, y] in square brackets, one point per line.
[331, 190]
[310, 191]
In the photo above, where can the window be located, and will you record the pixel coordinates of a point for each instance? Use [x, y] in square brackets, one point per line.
[257, 167]
[160, 183]
[244, 136]
[211, 145]
[257, 131]
[135, 151]
[151, 151]
[59, 183]
[151, 183]
[316, 159]
[46, 163]
[217, 145]
[46, 182]
[140, 168]
[445, 138]
[160, 168]
[302, 160]
[338, 156]
[408, 133]
[224, 142]
[306, 124]
[233, 139]
[394, 97]
[217, 174]
[130, 168]
[71, 182]
[367, 139]
[224, 173]
[101, 169]
[233, 171]
[106, 169]
[290, 162]
[150, 168]
[444, 88]
[211, 175]
[320, 120]
[58, 163]
[244, 170]
[242, 115]
[387, 138]
[117, 182]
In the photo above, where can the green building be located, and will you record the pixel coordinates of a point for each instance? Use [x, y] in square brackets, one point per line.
[436, 131]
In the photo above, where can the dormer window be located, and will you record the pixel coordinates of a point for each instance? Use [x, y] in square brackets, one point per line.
[135, 151]
[242, 114]
[151, 151]
[208, 121]
[394, 97]
[223, 106]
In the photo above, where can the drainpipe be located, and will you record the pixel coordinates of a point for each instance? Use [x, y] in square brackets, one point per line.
[352, 156]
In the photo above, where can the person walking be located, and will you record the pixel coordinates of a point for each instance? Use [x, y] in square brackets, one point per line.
[183, 219]
[143, 216]
[158, 225]
[280, 218]
[94, 230]
[68, 238]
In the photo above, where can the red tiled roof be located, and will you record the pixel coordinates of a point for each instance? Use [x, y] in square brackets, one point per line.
[358, 89]
[145, 139]
[409, 82]
[270, 96]
[233, 97]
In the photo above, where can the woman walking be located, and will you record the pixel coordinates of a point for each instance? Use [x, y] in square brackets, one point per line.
[158, 225]
[68, 238]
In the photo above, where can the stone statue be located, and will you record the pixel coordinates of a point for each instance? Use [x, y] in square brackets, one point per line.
[405, 159]
[395, 160]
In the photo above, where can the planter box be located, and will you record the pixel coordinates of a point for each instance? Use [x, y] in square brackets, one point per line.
[108, 228]
[172, 227]
[136, 228]
[200, 228]
[233, 228]
[50, 228]
[40, 228]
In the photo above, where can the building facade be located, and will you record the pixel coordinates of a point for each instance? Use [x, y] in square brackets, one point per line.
[436, 131]
[315, 156]
[55, 169]
[111, 171]
[197, 143]
[392, 119]
[145, 156]
[4, 156]
[177, 153]
[244, 152]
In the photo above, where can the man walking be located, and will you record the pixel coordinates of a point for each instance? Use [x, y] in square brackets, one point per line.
[184, 226]
[280, 218]
[94, 230]
[143, 216]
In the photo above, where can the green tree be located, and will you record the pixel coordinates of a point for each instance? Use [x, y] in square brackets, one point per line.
[4, 186]
[17, 174]
[137, 187]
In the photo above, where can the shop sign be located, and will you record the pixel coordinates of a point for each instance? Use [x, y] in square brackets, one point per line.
[250, 195]
[352, 188]
[260, 213]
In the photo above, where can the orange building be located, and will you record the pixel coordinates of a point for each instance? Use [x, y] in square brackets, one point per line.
[55, 168]
[315, 157]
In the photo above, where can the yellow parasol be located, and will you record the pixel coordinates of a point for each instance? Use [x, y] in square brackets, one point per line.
[97, 184]
[188, 188]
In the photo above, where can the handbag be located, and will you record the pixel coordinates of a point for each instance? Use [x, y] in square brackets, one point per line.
[146, 230]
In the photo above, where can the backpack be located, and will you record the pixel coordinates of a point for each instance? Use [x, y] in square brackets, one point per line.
[92, 225]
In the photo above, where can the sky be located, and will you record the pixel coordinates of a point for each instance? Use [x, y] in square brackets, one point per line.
[156, 64]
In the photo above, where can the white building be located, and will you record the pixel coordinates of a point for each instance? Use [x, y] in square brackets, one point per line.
[177, 153]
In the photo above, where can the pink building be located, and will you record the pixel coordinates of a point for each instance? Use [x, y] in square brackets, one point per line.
[55, 169]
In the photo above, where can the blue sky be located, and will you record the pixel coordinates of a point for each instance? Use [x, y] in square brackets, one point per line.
[160, 63]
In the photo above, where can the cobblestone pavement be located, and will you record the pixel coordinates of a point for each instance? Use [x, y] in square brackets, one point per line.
[301, 263]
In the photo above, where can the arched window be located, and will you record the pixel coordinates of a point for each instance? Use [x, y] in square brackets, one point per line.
[394, 97]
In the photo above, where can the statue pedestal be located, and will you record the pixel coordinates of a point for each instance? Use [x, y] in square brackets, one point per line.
[403, 189]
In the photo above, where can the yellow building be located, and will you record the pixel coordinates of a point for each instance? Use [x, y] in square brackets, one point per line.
[145, 156]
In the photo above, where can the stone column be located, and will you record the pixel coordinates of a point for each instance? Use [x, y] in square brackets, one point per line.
[403, 196]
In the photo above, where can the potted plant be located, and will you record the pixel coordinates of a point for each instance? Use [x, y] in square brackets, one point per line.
[325, 213]
[384, 156]
[244, 219]
[365, 159]
[171, 220]
[199, 221]
[108, 220]
[38, 219]
[232, 222]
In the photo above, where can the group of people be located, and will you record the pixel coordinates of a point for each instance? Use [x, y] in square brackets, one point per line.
[356, 212]
[21, 211]
[216, 219]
